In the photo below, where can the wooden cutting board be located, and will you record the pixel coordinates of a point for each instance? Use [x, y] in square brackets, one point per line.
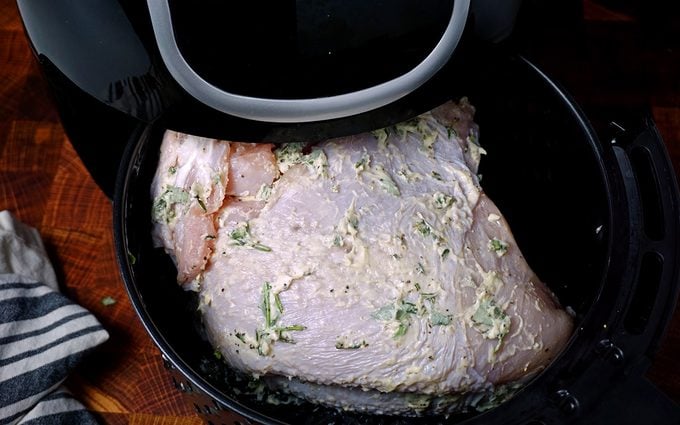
[44, 183]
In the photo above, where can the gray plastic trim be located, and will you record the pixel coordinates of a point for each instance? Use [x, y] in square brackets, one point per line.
[301, 110]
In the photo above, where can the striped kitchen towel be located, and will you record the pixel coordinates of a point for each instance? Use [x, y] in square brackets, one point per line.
[43, 335]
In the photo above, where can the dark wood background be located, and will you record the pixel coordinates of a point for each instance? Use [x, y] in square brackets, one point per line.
[611, 56]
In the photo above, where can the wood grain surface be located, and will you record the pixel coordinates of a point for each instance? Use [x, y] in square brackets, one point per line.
[44, 183]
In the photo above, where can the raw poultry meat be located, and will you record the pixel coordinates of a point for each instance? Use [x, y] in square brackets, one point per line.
[369, 272]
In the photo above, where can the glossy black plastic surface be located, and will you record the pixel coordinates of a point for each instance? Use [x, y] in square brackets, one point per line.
[102, 48]
[306, 48]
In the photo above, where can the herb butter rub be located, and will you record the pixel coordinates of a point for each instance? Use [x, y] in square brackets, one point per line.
[370, 272]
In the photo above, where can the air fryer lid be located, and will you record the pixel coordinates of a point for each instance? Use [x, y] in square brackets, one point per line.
[167, 60]
[305, 60]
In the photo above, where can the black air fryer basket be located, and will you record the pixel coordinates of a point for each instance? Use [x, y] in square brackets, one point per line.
[597, 219]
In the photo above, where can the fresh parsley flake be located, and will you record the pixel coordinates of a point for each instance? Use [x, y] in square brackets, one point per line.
[108, 301]
[401, 330]
[439, 319]
[337, 241]
[290, 154]
[498, 246]
[241, 236]
[163, 209]
[422, 227]
[381, 135]
[386, 181]
[442, 201]
[490, 320]
[264, 192]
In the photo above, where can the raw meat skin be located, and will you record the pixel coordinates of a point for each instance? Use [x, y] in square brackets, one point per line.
[374, 274]
[194, 171]
[245, 156]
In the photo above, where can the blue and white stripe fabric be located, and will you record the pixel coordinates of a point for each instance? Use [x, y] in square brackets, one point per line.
[43, 335]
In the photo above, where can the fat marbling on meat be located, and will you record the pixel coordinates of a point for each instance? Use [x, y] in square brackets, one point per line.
[369, 272]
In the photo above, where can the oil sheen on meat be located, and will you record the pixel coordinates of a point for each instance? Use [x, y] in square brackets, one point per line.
[370, 272]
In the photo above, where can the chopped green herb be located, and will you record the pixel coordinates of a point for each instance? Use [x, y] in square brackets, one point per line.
[264, 192]
[269, 333]
[400, 311]
[172, 170]
[437, 176]
[385, 313]
[217, 354]
[381, 135]
[317, 162]
[490, 320]
[406, 174]
[401, 330]
[420, 269]
[420, 127]
[363, 162]
[442, 200]
[258, 246]
[291, 328]
[163, 210]
[423, 227]
[436, 318]
[405, 309]
[265, 306]
[107, 301]
[353, 221]
[348, 226]
[451, 132]
[410, 126]
[288, 155]
[386, 181]
[337, 241]
[279, 305]
[498, 246]
[131, 258]
[241, 236]
[439, 319]
[428, 296]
